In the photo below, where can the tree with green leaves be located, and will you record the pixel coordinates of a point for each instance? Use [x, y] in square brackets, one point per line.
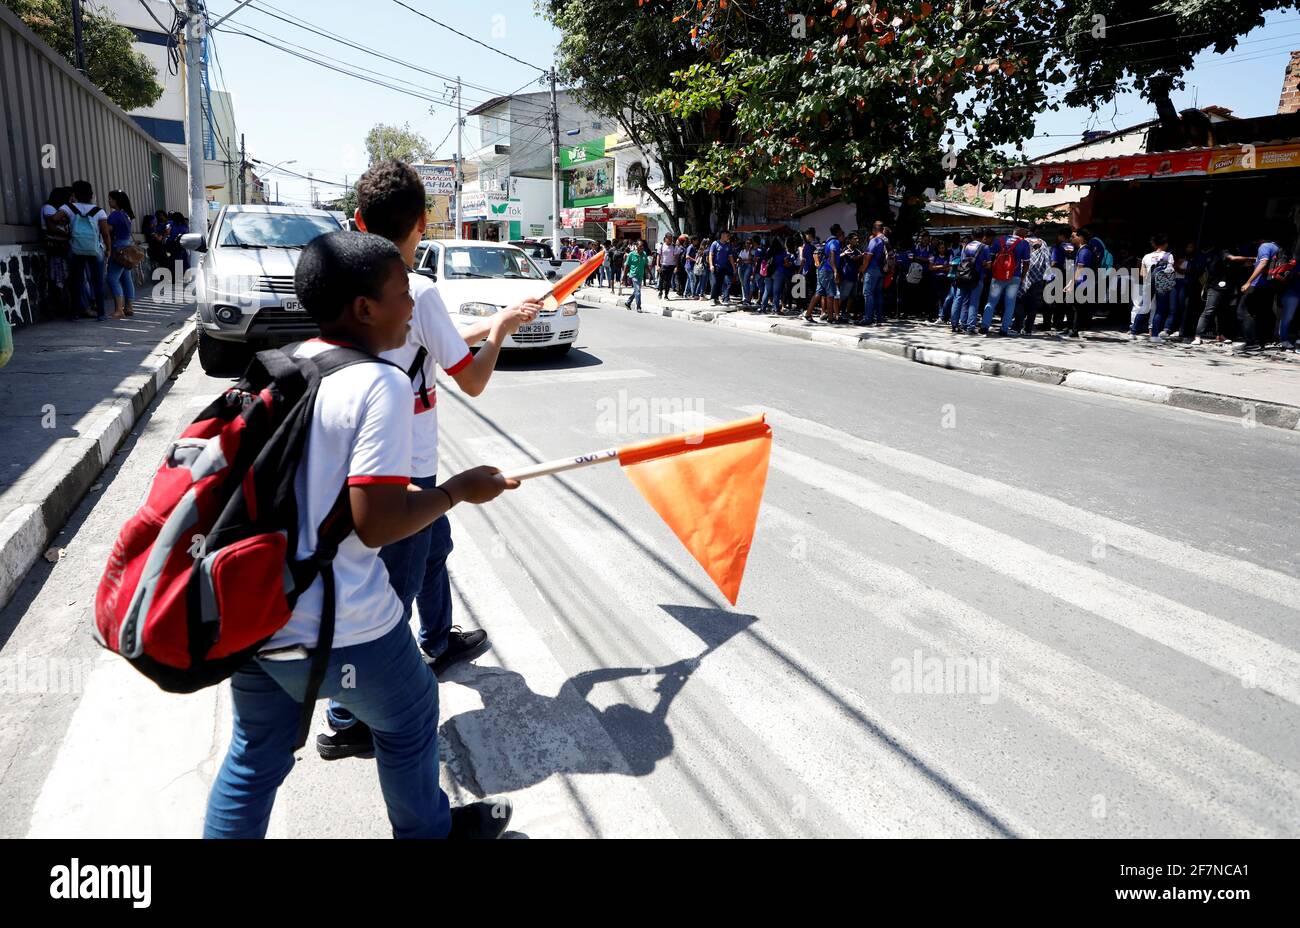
[124, 75]
[618, 56]
[1114, 45]
[861, 97]
[400, 142]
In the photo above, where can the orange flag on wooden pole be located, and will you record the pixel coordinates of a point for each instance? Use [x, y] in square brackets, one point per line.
[571, 281]
[706, 485]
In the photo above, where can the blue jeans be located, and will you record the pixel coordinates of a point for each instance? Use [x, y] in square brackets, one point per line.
[964, 306]
[1287, 302]
[947, 308]
[120, 283]
[390, 689]
[417, 571]
[873, 302]
[78, 266]
[721, 286]
[1004, 292]
[635, 294]
[1164, 314]
[746, 270]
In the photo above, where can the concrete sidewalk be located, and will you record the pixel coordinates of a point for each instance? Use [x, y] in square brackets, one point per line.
[71, 393]
[1208, 378]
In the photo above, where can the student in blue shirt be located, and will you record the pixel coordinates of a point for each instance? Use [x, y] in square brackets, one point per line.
[850, 259]
[1006, 267]
[1255, 308]
[828, 277]
[1084, 286]
[972, 265]
[722, 265]
[873, 275]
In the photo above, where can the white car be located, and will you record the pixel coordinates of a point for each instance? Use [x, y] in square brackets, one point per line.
[478, 279]
[244, 281]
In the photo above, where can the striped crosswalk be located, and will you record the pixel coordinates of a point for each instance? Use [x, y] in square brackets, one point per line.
[919, 649]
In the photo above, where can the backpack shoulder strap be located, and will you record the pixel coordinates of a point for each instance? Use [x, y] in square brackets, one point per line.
[417, 367]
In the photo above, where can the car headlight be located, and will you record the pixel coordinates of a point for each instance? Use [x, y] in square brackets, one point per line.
[477, 309]
[569, 309]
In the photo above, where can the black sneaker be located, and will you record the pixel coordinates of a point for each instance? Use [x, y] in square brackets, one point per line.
[485, 820]
[461, 645]
[351, 741]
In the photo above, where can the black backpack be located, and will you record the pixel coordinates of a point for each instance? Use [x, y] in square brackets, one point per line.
[968, 271]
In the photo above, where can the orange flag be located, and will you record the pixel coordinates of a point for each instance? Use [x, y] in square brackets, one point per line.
[571, 281]
[707, 486]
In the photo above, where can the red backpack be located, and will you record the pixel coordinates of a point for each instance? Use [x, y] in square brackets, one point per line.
[207, 570]
[1005, 264]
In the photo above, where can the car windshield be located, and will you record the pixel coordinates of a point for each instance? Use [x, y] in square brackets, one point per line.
[469, 263]
[272, 230]
[536, 249]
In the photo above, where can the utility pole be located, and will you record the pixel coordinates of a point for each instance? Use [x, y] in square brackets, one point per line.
[460, 209]
[555, 169]
[311, 189]
[243, 171]
[195, 28]
[76, 37]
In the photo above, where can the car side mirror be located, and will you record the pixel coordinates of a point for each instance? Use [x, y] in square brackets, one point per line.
[427, 272]
[193, 241]
[552, 274]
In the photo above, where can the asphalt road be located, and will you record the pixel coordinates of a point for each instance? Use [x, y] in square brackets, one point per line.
[974, 607]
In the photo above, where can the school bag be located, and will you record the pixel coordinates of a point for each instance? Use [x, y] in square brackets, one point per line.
[1005, 263]
[891, 262]
[1163, 277]
[1281, 268]
[915, 272]
[207, 570]
[1107, 259]
[86, 240]
[968, 271]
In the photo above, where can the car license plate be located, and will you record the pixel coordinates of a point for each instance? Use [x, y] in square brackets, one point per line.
[291, 305]
[534, 327]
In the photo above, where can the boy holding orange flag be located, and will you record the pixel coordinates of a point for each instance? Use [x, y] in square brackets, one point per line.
[391, 203]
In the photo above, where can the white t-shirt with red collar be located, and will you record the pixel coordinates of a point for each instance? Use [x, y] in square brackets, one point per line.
[431, 328]
[360, 434]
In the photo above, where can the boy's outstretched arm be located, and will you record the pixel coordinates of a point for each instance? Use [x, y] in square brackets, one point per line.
[383, 513]
[473, 378]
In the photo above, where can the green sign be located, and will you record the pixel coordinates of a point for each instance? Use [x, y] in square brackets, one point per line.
[581, 153]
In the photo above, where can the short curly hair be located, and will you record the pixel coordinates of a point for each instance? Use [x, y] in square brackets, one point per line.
[390, 197]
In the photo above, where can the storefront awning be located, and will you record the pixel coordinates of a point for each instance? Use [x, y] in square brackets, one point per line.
[1199, 162]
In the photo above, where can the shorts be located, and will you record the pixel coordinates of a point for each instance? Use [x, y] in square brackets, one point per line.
[826, 283]
[847, 288]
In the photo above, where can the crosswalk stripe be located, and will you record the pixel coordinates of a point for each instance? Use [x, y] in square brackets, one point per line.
[825, 734]
[509, 378]
[1236, 574]
[1170, 753]
[1220, 645]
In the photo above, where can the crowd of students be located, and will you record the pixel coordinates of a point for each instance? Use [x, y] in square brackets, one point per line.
[1031, 281]
[91, 252]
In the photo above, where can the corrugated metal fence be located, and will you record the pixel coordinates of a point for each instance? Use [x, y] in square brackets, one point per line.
[56, 127]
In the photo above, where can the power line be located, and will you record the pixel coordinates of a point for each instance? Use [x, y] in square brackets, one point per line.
[470, 37]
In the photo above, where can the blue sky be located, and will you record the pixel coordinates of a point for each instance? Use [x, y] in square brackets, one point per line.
[291, 109]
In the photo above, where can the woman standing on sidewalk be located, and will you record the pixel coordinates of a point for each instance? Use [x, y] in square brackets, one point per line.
[89, 243]
[121, 261]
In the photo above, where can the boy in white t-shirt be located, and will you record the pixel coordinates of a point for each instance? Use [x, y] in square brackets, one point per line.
[1151, 308]
[391, 203]
[354, 286]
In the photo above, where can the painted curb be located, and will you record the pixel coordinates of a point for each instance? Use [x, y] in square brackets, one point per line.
[71, 466]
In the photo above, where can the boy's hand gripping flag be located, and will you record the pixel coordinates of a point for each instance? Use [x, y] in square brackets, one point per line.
[706, 485]
[571, 281]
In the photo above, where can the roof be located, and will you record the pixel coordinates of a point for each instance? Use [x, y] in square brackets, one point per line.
[497, 101]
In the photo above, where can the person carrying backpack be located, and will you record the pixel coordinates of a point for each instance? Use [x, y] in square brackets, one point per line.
[1033, 285]
[1085, 286]
[1255, 308]
[968, 279]
[1010, 256]
[90, 241]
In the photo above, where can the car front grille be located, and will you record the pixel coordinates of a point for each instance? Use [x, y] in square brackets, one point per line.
[528, 338]
[279, 285]
[271, 321]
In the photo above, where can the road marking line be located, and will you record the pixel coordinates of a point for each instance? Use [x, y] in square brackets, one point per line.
[509, 378]
[1239, 575]
[1199, 767]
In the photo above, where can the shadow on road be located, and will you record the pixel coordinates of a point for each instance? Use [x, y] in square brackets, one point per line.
[542, 359]
[520, 738]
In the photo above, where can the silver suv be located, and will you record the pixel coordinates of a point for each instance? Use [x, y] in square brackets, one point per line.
[243, 281]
